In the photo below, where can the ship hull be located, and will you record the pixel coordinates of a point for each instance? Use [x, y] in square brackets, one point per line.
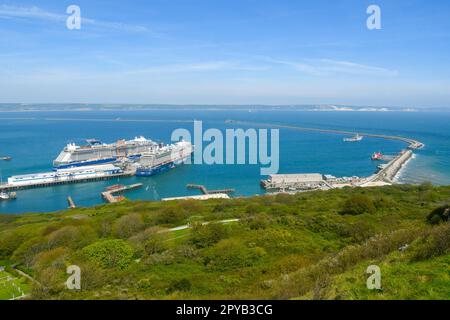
[148, 172]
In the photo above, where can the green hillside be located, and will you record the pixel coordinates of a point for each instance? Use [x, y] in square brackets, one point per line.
[314, 245]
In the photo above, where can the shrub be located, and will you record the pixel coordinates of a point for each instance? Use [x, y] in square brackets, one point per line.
[72, 237]
[9, 242]
[154, 244]
[439, 215]
[128, 225]
[180, 285]
[231, 254]
[171, 215]
[26, 252]
[383, 201]
[357, 205]
[434, 244]
[206, 235]
[149, 241]
[257, 221]
[52, 258]
[109, 253]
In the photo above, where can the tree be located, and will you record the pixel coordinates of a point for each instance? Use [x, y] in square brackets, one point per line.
[109, 253]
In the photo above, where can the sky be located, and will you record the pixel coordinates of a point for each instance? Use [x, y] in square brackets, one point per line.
[226, 52]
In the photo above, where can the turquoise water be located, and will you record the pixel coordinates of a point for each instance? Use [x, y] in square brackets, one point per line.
[34, 139]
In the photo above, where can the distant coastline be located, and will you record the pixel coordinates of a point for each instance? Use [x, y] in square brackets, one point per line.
[81, 107]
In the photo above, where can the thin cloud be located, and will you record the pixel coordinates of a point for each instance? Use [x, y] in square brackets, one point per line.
[328, 67]
[198, 67]
[36, 13]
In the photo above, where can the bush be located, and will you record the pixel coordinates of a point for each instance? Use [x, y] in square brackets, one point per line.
[26, 252]
[72, 237]
[180, 285]
[435, 244]
[171, 215]
[357, 205]
[439, 215]
[154, 244]
[9, 242]
[52, 258]
[207, 235]
[128, 225]
[257, 221]
[109, 253]
[231, 254]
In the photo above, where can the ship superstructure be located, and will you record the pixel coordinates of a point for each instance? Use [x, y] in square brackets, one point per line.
[96, 152]
[163, 157]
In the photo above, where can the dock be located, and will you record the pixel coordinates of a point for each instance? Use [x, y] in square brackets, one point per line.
[7, 187]
[200, 197]
[71, 203]
[388, 171]
[110, 197]
[293, 183]
[206, 191]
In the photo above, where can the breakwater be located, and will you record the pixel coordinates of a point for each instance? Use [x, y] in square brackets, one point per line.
[412, 143]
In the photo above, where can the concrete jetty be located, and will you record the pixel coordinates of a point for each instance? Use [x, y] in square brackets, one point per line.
[71, 203]
[200, 197]
[206, 191]
[390, 170]
[109, 195]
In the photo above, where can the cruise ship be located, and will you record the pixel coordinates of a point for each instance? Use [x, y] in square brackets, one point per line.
[96, 152]
[163, 158]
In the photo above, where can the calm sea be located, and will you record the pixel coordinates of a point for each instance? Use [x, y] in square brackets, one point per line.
[34, 139]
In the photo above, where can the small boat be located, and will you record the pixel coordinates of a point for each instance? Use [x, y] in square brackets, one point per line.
[6, 158]
[7, 196]
[377, 156]
[355, 138]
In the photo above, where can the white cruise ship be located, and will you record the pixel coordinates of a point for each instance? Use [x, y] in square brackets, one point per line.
[96, 152]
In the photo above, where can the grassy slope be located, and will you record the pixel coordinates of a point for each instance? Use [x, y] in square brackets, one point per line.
[7, 290]
[282, 247]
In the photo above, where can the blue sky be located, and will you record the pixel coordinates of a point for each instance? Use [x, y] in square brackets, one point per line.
[226, 52]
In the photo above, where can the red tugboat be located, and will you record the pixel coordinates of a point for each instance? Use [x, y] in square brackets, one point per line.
[377, 156]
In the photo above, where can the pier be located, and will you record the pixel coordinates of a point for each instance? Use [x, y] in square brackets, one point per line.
[7, 187]
[110, 197]
[206, 191]
[390, 170]
[71, 203]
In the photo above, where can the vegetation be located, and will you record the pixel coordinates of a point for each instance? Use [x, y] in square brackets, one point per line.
[314, 245]
[11, 286]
